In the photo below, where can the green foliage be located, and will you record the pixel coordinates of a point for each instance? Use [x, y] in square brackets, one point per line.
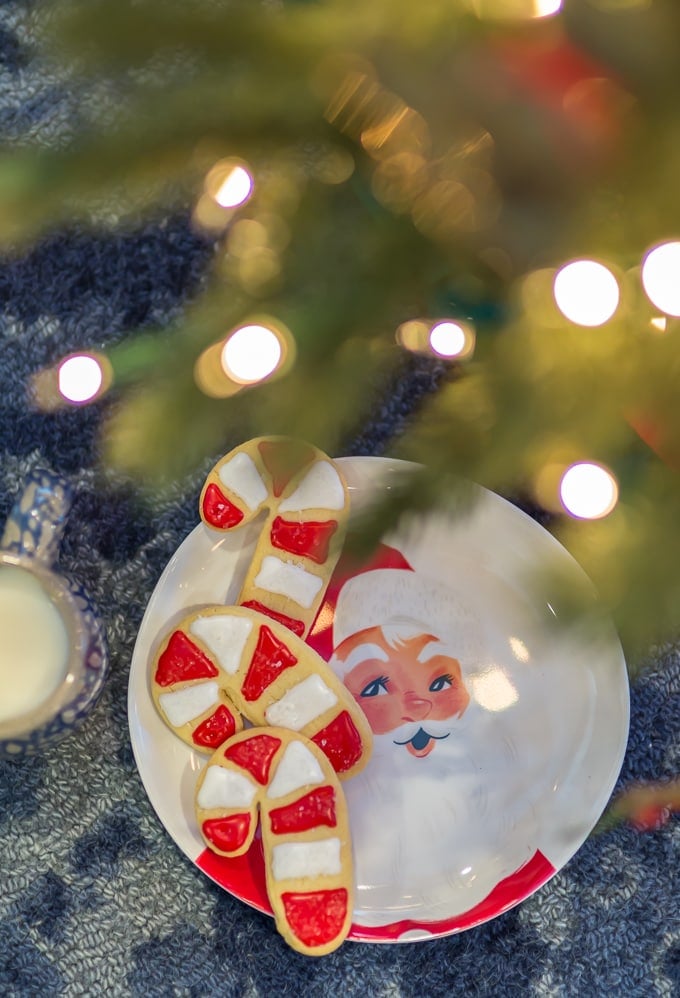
[412, 161]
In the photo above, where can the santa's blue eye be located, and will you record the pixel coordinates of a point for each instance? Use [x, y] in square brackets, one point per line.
[375, 687]
[440, 683]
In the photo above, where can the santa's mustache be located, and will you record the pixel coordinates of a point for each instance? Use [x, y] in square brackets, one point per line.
[409, 730]
[418, 735]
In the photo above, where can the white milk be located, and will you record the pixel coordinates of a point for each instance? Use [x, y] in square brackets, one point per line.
[33, 643]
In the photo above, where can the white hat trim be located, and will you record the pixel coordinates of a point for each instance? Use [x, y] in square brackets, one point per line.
[382, 596]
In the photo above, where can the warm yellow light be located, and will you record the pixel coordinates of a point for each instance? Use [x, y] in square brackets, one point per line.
[501, 10]
[251, 354]
[444, 337]
[586, 292]
[80, 378]
[448, 339]
[546, 8]
[659, 322]
[229, 183]
[335, 166]
[588, 491]
[661, 277]
[209, 374]
[235, 189]
[414, 335]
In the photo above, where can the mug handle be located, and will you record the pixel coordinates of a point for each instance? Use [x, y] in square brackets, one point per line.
[36, 523]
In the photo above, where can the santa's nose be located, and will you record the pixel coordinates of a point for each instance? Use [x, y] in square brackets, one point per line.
[415, 707]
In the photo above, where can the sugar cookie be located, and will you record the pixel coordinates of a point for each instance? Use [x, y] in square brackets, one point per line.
[220, 664]
[305, 829]
[307, 503]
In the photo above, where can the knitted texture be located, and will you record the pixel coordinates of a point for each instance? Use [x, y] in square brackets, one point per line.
[95, 898]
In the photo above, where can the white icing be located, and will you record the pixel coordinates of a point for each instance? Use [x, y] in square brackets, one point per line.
[184, 705]
[225, 636]
[306, 859]
[321, 488]
[241, 476]
[301, 704]
[286, 579]
[224, 788]
[297, 768]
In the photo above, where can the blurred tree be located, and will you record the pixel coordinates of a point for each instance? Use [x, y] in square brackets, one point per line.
[379, 176]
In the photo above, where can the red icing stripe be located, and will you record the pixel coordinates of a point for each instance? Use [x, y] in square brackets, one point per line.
[254, 754]
[317, 917]
[182, 661]
[340, 742]
[218, 511]
[315, 808]
[227, 834]
[309, 539]
[215, 729]
[296, 626]
[283, 459]
[269, 660]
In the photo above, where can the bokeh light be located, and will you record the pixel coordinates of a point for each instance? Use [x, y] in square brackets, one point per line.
[507, 10]
[414, 335]
[448, 339]
[251, 354]
[445, 338]
[661, 277]
[80, 378]
[546, 8]
[586, 292]
[230, 183]
[588, 491]
[209, 374]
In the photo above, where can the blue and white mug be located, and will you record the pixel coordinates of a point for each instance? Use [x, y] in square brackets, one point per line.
[53, 655]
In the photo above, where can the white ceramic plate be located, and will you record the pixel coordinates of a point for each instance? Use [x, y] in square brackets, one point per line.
[456, 818]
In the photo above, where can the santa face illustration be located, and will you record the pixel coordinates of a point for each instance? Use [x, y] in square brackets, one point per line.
[406, 682]
[435, 817]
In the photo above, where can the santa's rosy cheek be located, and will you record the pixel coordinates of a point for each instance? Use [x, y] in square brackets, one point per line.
[382, 713]
[449, 702]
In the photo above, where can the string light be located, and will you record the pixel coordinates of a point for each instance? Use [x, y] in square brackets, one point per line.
[588, 491]
[230, 183]
[80, 378]
[546, 8]
[444, 338]
[210, 376]
[76, 380]
[586, 292]
[661, 277]
[448, 339]
[227, 186]
[251, 354]
[501, 10]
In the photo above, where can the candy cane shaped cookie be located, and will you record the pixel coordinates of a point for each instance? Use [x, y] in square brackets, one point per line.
[301, 540]
[221, 663]
[304, 824]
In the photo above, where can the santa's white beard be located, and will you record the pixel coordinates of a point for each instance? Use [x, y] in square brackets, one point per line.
[432, 836]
